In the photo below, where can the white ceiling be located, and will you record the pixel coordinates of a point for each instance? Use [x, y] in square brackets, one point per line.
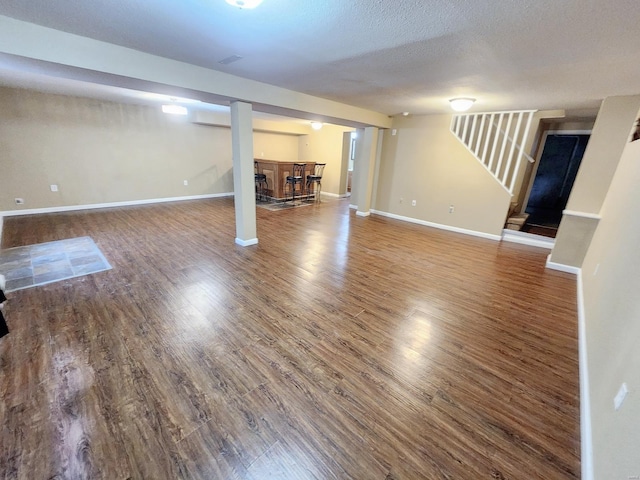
[385, 55]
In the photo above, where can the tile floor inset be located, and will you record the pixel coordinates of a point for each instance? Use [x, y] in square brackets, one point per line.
[34, 265]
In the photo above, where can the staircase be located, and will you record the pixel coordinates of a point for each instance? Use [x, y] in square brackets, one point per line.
[497, 141]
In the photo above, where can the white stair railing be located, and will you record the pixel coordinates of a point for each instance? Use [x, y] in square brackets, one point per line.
[499, 147]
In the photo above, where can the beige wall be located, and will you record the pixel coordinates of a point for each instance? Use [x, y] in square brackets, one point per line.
[610, 134]
[609, 137]
[101, 152]
[275, 146]
[425, 162]
[325, 146]
[611, 286]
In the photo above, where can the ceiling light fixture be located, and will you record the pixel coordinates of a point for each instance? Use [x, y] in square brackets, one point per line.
[461, 104]
[316, 125]
[246, 4]
[174, 109]
[405, 114]
[168, 98]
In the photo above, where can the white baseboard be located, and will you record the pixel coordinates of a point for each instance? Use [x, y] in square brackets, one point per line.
[562, 267]
[70, 208]
[524, 238]
[334, 195]
[353, 207]
[573, 213]
[438, 225]
[363, 214]
[586, 440]
[247, 243]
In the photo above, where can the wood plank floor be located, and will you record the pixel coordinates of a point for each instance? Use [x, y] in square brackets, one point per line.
[338, 347]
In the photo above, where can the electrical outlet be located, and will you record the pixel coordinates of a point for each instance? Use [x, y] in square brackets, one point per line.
[19, 201]
[54, 188]
[186, 183]
[451, 208]
[413, 203]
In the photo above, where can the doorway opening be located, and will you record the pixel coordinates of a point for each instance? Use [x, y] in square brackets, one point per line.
[352, 157]
[556, 172]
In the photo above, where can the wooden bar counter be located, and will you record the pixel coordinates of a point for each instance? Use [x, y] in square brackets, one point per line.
[277, 172]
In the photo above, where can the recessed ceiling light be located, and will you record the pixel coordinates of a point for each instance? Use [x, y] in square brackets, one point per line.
[316, 125]
[405, 114]
[247, 4]
[461, 104]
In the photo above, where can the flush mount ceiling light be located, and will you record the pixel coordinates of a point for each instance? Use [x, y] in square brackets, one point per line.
[316, 125]
[246, 4]
[168, 98]
[174, 109]
[461, 104]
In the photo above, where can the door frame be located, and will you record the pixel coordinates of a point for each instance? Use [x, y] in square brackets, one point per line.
[543, 143]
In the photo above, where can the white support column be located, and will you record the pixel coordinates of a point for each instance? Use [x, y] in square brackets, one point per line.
[367, 166]
[243, 179]
[355, 174]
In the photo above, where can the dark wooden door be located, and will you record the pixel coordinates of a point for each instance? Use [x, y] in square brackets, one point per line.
[554, 179]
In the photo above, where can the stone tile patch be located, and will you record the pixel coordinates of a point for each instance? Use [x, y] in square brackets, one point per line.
[34, 265]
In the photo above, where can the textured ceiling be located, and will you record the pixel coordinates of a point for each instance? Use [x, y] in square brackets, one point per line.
[388, 56]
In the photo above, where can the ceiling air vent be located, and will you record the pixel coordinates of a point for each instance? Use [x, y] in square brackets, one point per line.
[231, 59]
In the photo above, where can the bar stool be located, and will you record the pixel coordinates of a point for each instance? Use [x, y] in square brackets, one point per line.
[296, 178]
[261, 183]
[316, 178]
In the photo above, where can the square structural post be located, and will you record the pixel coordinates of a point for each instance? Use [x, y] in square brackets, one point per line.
[243, 173]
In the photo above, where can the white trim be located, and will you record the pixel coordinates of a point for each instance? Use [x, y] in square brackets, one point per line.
[569, 132]
[353, 207]
[574, 213]
[69, 208]
[524, 238]
[495, 176]
[586, 440]
[334, 195]
[247, 243]
[363, 214]
[449, 228]
[561, 267]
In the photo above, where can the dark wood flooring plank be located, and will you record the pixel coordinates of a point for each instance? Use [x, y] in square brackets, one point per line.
[338, 347]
